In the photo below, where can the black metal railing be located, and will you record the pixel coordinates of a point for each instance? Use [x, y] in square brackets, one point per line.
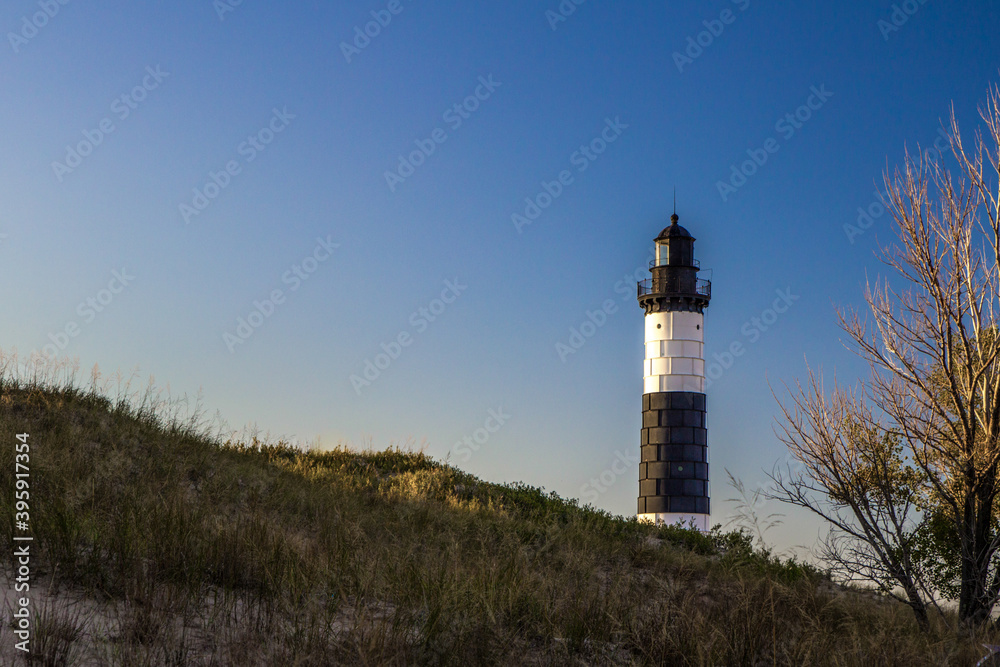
[653, 263]
[703, 287]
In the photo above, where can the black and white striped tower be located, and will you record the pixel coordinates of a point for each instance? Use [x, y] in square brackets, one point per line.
[673, 473]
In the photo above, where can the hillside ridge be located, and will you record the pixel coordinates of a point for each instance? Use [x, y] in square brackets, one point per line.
[155, 543]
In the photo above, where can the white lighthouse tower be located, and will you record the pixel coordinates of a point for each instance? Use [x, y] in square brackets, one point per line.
[673, 473]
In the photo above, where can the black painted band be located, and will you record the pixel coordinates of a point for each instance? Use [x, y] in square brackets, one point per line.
[673, 472]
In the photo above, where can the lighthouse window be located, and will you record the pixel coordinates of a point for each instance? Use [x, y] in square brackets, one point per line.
[697, 326]
[659, 326]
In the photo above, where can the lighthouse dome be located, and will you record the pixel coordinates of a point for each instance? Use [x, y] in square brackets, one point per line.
[673, 230]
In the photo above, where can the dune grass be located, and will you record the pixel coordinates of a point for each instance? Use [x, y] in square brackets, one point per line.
[158, 543]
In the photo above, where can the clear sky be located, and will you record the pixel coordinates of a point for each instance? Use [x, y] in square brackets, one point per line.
[167, 168]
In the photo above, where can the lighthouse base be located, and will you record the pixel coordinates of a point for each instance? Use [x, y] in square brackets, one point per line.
[697, 521]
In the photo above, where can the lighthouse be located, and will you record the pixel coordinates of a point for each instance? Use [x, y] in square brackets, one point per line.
[673, 468]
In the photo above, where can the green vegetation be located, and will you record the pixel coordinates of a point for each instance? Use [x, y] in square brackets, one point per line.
[159, 545]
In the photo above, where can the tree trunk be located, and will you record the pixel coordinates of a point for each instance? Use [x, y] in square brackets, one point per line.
[976, 595]
[919, 609]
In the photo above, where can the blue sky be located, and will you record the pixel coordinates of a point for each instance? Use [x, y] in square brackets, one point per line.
[329, 122]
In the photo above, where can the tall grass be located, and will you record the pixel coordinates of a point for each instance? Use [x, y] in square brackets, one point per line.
[189, 545]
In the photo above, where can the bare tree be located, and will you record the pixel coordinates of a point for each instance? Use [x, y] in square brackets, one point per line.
[906, 468]
[853, 475]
